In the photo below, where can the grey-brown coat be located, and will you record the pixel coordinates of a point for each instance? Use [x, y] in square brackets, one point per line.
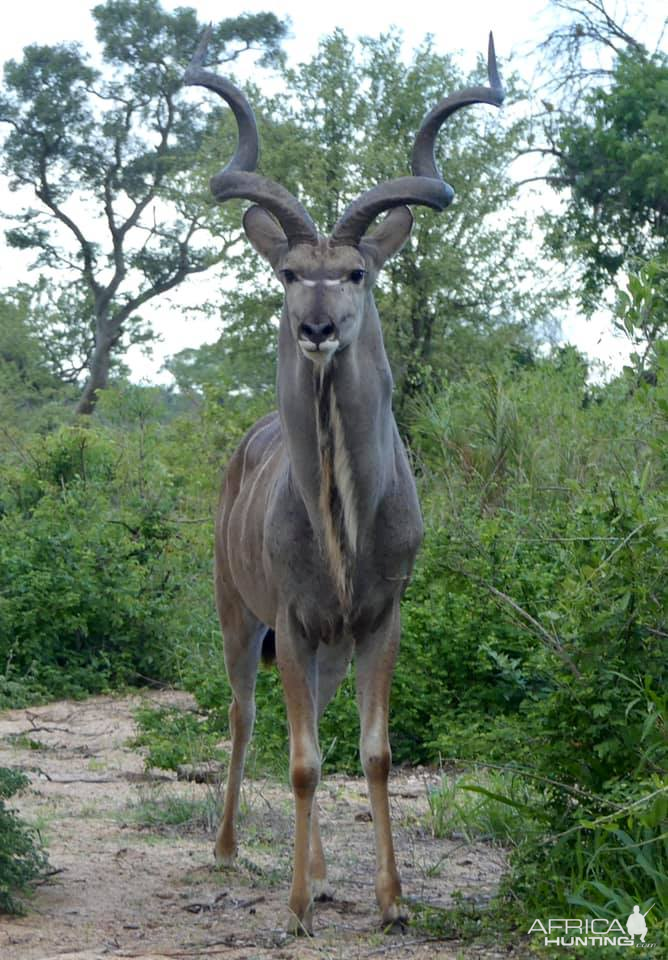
[319, 521]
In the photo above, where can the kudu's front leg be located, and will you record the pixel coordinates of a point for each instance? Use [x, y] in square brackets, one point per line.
[375, 657]
[333, 662]
[297, 662]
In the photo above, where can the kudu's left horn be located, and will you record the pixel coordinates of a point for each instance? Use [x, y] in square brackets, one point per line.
[238, 179]
[426, 187]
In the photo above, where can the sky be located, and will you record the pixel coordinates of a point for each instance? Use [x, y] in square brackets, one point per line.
[518, 26]
[455, 26]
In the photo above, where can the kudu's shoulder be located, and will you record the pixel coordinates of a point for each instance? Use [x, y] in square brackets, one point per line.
[399, 527]
[264, 433]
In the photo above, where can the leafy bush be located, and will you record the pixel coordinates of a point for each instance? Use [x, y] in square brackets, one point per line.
[551, 505]
[86, 592]
[174, 737]
[99, 558]
[22, 858]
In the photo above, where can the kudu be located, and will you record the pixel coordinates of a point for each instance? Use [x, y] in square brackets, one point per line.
[319, 521]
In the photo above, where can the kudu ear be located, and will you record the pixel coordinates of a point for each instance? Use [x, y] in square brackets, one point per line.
[265, 234]
[388, 238]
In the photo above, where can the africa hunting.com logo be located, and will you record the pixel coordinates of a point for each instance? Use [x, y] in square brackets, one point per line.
[596, 931]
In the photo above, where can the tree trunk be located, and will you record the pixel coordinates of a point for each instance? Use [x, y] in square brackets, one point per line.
[97, 380]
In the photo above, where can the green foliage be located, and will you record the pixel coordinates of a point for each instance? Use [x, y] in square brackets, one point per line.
[97, 554]
[494, 807]
[239, 370]
[32, 393]
[175, 737]
[613, 157]
[22, 858]
[24, 370]
[642, 315]
[551, 507]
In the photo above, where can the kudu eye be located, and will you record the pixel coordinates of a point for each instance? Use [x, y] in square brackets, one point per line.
[289, 276]
[356, 276]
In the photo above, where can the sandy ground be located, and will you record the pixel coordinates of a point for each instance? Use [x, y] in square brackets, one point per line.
[125, 888]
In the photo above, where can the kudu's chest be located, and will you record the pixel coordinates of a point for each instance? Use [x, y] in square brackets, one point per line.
[345, 555]
[340, 551]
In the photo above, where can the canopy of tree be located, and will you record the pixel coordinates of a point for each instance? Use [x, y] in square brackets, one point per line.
[111, 155]
[613, 160]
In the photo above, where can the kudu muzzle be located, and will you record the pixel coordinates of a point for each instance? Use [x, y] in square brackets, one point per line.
[317, 333]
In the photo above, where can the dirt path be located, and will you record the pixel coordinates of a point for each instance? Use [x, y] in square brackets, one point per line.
[131, 888]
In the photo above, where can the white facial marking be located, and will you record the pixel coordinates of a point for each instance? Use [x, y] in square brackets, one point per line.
[328, 282]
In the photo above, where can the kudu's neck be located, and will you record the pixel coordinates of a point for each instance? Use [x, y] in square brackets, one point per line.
[339, 432]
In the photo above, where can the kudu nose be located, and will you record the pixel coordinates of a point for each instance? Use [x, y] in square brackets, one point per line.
[316, 332]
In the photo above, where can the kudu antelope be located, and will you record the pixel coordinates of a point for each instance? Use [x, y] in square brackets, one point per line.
[319, 521]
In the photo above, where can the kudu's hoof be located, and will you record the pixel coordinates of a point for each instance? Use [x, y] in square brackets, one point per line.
[323, 892]
[395, 920]
[301, 927]
[224, 859]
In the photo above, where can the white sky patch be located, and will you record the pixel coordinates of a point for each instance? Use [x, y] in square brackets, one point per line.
[456, 28]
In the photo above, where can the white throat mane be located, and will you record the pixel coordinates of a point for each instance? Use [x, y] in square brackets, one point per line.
[337, 501]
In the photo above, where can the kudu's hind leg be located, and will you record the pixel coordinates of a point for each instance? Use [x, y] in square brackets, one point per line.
[242, 648]
[375, 657]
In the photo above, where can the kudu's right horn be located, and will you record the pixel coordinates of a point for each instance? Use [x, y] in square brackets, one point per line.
[238, 178]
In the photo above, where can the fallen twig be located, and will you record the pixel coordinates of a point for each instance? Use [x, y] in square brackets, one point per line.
[204, 906]
[242, 904]
[35, 729]
[82, 779]
[45, 877]
[208, 947]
